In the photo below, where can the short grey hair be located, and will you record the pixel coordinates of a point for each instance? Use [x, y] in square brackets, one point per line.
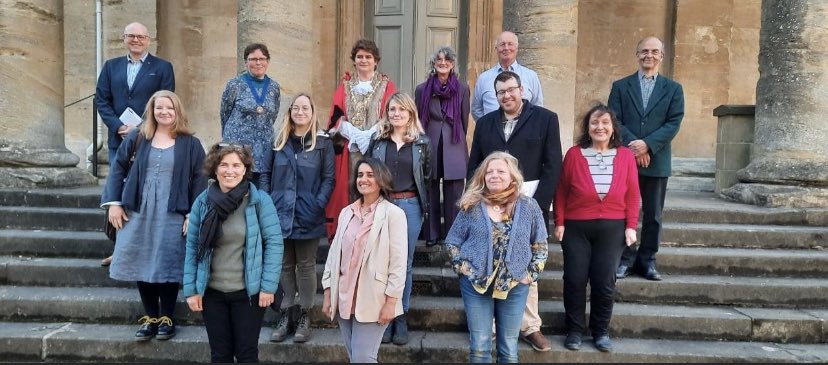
[448, 53]
[497, 40]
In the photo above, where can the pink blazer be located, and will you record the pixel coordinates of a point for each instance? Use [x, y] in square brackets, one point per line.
[384, 260]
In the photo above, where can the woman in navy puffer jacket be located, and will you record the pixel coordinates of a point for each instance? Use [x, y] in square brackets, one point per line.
[302, 180]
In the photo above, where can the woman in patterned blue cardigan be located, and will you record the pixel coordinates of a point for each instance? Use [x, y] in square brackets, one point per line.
[498, 247]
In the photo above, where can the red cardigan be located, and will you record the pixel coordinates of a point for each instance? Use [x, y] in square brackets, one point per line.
[576, 198]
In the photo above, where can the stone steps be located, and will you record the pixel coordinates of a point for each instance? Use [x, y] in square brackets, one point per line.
[731, 262]
[739, 281]
[89, 244]
[51, 218]
[81, 197]
[674, 289]
[441, 281]
[731, 323]
[692, 174]
[67, 341]
[28, 244]
[698, 207]
[744, 236]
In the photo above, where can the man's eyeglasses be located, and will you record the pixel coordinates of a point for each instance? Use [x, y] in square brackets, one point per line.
[654, 52]
[139, 37]
[511, 90]
[256, 59]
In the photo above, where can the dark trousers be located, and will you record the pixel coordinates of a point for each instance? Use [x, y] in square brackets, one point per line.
[233, 322]
[446, 209]
[591, 251]
[653, 190]
[158, 298]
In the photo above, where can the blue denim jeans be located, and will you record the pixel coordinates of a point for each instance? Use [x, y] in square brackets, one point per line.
[481, 310]
[414, 218]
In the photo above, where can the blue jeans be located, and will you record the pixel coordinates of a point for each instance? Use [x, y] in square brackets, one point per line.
[414, 217]
[481, 310]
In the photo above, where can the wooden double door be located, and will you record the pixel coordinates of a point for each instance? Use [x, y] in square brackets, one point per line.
[408, 32]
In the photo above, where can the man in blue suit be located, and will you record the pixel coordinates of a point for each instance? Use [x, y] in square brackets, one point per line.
[128, 82]
[650, 108]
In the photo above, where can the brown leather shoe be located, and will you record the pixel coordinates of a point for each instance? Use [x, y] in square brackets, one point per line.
[537, 340]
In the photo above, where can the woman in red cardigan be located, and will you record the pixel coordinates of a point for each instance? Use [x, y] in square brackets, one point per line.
[596, 212]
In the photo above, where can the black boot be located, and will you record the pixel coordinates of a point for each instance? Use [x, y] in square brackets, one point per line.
[389, 332]
[284, 327]
[303, 329]
[401, 329]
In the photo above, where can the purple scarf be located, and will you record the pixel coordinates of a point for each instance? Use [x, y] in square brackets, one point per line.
[449, 103]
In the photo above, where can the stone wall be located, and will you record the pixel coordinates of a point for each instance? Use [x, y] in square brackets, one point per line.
[579, 51]
[199, 38]
[716, 48]
[79, 70]
[606, 44]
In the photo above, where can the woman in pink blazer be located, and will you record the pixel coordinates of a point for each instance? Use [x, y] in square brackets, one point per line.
[366, 264]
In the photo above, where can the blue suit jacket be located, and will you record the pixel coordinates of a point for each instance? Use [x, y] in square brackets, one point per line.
[657, 125]
[113, 96]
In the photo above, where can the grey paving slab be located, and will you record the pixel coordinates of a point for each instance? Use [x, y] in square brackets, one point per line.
[122, 306]
[729, 261]
[54, 243]
[745, 236]
[784, 325]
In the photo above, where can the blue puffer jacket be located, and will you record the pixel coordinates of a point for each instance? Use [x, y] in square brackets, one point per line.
[262, 253]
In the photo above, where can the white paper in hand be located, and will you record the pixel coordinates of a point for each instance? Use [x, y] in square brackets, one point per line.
[130, 117]
[529, 188]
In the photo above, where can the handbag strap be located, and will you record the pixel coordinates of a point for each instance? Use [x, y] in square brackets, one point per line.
[132, 153]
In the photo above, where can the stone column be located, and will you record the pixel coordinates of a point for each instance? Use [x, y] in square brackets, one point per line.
[286, 27]
[790, 151]
[32, 149]
[199, 38]
[547, 33]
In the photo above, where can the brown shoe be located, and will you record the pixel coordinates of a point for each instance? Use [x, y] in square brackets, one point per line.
[537, 341]
[107, 261]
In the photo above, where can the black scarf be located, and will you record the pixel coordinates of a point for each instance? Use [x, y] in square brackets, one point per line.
[219, 206]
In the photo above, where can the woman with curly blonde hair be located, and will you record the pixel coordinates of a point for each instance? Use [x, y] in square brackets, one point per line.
[498, 248]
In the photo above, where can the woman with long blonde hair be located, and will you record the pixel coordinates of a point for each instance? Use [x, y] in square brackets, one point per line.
[151, 187]
[301, 183]
[401, 143]
[498, 247]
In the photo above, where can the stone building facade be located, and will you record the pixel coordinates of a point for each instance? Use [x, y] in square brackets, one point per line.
[578, 48]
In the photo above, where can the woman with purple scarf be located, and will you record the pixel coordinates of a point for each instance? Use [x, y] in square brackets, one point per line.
[443, 105]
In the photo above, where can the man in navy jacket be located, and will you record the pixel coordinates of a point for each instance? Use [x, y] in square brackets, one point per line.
[650, 108]
[128, 82]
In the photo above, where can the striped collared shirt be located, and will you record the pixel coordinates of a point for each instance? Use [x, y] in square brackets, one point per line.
[133, 67]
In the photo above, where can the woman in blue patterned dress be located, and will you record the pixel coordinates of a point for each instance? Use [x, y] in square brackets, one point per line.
[148, 202]
[249, 106]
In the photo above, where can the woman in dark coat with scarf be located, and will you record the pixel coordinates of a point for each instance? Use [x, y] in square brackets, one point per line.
[443, 105]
